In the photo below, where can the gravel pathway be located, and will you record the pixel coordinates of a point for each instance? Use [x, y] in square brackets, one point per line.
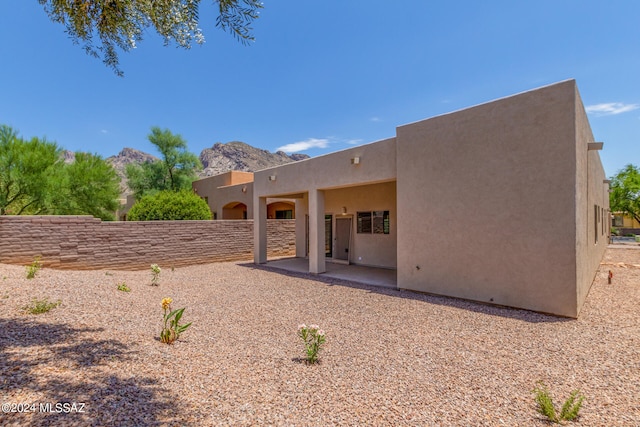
[391, 358]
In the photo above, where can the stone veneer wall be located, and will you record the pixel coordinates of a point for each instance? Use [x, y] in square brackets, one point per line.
[84, 242]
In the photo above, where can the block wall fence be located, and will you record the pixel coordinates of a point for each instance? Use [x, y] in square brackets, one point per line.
[84, 242]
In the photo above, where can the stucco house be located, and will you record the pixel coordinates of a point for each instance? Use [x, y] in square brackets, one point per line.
[230, 196]
[505, 203]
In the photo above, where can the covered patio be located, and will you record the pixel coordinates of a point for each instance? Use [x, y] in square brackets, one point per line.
[383, 277]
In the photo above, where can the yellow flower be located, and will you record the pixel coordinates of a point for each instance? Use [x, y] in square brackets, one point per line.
[166, 302]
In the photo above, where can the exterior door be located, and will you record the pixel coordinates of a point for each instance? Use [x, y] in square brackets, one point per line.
[343, 238]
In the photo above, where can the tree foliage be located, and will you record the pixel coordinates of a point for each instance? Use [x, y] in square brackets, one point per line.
[625, 192]
[104, 26]
[29, 173]
[170, 205]
[34, 180]
[90, 186]
[175, 171]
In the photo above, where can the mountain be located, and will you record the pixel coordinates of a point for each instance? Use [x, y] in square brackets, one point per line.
[241, 157]
[125, 157]
[215, 160]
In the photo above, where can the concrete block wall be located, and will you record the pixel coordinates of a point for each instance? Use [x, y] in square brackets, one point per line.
[84, 242]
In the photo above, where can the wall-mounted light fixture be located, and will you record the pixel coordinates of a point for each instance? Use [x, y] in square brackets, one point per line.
[244, 189]
[272, 177]
[594, 146]
[344, 210]
[355, 161]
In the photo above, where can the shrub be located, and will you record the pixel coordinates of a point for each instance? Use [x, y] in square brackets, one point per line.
[123, 287]
[545, 406]
[33, 268]
[39, 306]
[170, 205]
[155, 274]
[313, 338]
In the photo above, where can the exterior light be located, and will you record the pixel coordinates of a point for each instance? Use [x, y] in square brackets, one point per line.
[344, 210]
[355, 161]
[272, 177]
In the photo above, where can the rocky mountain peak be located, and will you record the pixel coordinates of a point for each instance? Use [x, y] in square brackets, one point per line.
[220, 158]
[236, 155]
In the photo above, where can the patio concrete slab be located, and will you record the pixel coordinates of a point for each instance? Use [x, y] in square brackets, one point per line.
[353, 273]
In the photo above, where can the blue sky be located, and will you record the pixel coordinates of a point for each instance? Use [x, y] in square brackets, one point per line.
[322, 76]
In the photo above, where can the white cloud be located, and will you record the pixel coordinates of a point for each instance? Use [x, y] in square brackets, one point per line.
[611, 108]
[304, 145]
[104, 131]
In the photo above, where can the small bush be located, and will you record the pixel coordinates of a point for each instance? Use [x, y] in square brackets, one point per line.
[123, 287]
[39, 306]
[33, 268]
[313, 338]
[155, 274]
[546, 407]
[170, 205]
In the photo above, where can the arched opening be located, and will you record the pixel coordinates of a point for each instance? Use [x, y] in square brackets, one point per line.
[234, 210]
[281, 210]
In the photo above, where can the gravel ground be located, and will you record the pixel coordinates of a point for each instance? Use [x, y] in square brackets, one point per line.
[391, 358]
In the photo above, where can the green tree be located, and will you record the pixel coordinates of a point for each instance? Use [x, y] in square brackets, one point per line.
[175, 171]
[170, 205]
[29, 171]
[120, 24]
[34, 180]
[90, 186]
[625, 191]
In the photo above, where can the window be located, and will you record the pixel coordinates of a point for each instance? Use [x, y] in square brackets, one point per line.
[286, 214]
[596, 220]
[618, 221]
[364, 222]
[376, 222]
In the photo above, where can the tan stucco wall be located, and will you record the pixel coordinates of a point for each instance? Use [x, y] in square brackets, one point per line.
[377, 164]
[592, 228]
[367, 249]
[508, 169]
[229, 187]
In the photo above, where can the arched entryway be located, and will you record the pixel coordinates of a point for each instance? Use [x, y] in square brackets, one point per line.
[234, 210]
[281, 210]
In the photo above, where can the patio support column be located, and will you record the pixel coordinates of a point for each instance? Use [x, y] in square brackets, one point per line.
[302, 210]
[316, 232]
[260, 231]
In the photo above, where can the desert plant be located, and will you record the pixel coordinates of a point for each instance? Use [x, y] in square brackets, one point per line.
[155, 274]
[313, 338]
[34, 267]
[172, 328]
[123, 287]
[170, 205]
[39, 306]
[545, 406]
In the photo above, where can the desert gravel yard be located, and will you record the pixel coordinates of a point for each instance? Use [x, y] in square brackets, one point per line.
[391, 358]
